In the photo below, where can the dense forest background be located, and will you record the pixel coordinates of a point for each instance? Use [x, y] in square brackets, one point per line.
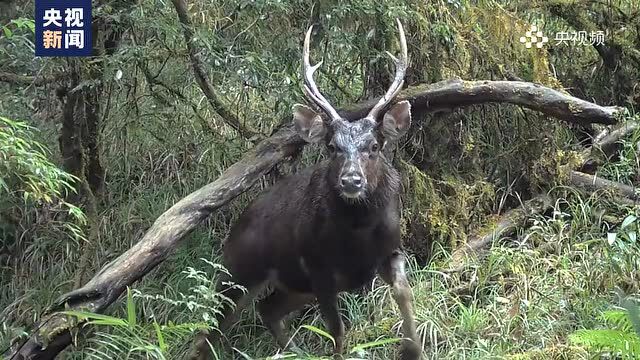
[93, 150]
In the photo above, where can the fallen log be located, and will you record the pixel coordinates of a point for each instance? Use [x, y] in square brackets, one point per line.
[52, 332]
[605, 145]
[624, 193]
[506, 225]
[508, 222]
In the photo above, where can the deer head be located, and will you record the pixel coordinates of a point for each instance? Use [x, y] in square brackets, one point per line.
[356, 160]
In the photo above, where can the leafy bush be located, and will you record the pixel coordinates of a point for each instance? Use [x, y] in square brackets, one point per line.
[28, 180]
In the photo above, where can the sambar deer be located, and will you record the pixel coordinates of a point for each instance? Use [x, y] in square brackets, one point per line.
[328, 228]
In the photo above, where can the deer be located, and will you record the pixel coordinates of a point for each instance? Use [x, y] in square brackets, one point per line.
[328, 228]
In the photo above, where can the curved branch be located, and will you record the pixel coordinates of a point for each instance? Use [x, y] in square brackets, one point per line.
[625, 193]
[201, 76]
[451, 94]
[172, 226]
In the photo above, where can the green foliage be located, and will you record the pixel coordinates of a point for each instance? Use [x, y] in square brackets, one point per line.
[37, 223]
[137, 336]
[19, 24]
[160, 140]
[25, 167]
[202, 300]
[29, 179]
[622, 339]
[359, 351]
[129, 339]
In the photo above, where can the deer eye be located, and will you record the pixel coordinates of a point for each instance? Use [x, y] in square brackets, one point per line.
[375, 147]
[331, 148]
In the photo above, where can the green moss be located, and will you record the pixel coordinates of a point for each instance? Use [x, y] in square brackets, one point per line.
[54, 326]
[443, 207]
[553, 167]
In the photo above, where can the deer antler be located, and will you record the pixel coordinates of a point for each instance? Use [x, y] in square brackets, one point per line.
[310, 87]
[396, 86]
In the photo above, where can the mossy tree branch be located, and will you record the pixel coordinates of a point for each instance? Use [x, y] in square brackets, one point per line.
[447, 95]
[27, 80]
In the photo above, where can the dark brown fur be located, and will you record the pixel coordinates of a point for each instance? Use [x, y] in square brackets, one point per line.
[301, 229]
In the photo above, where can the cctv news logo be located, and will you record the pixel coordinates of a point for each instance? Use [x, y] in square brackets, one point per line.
[535, 37]
[63, 27]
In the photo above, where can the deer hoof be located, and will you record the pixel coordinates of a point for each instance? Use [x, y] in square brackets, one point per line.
[410, 351]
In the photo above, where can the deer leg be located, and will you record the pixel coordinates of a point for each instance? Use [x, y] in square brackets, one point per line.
[278, 305]
[202, 347]
[393, 273]
[328, 303]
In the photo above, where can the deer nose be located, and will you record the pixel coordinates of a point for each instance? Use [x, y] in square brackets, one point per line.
[352, 182]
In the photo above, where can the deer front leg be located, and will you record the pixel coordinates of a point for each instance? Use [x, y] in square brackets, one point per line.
[393, 273]
[325, 291]
[329, 309]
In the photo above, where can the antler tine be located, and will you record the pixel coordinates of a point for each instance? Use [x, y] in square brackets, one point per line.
[396, 86]
[310, 87]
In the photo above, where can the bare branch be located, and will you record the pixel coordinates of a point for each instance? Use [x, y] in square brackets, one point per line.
[451, 94]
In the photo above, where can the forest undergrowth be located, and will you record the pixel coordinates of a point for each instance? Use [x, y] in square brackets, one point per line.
[93, 150]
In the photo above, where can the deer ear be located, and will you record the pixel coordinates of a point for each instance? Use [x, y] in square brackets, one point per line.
[396, 121]
[308, 124]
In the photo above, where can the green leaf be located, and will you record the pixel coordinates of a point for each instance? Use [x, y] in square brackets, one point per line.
[97, 319]
[161, 342]
[244, 356]
[377, 343]
[628, 221]
[131, 309]
[320, 332]
[7, 32]
[633, 314]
